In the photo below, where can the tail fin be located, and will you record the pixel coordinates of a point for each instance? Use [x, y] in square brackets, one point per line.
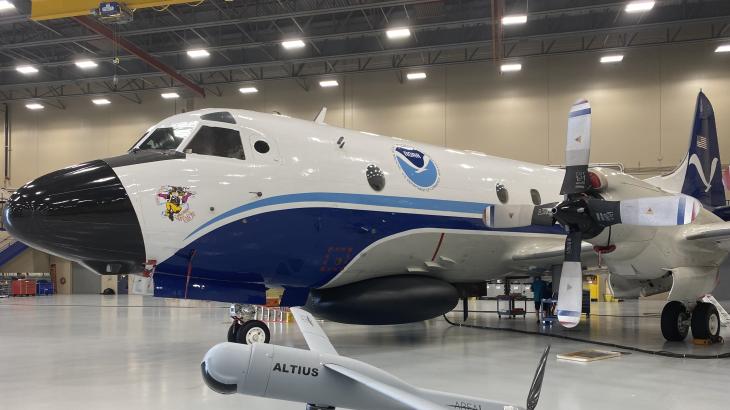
[703, 176]
[700, 173]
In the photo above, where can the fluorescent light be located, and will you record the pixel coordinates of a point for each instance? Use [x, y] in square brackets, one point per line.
[514, 19]
[723, 48]
[86, 64]
[639, 6]
[199, 53]
[26, 69]
[101, 101]
[6, 5]
[292, 44]
[612, 59]
[248, 90]
[34, 106]
[328, 83]
[506, 68]
[170, 96]
[416, 76]
[398, 33]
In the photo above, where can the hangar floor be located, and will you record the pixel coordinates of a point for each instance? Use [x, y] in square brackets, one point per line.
[133, 352]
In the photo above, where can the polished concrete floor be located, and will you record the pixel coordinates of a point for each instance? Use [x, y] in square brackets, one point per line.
[119, 352]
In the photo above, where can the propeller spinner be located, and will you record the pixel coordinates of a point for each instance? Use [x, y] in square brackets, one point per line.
[584, 216]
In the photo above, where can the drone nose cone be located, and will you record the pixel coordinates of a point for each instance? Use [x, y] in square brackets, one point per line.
[224, 365]
[82, 213]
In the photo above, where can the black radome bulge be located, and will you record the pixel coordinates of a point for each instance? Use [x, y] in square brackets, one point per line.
[375, 177]
[82, 213]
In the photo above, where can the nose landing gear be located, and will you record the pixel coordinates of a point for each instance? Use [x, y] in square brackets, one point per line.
[245, 329]
[677, 319]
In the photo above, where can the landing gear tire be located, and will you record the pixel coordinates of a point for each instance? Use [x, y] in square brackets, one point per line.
[253, 331]
[675, 321]
[705, 321]
[232, 332]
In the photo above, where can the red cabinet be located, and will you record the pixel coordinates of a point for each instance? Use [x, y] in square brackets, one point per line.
[23, 287]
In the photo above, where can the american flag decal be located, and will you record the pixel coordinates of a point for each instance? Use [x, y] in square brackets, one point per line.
[702, 142]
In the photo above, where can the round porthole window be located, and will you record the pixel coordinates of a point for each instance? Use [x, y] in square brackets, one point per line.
[502, 193]
[375, 177]
[262, 147]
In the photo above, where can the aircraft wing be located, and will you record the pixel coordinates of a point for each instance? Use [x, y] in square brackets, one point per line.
[718, 233]
[316, 339]
[403, 397]
[549, 253]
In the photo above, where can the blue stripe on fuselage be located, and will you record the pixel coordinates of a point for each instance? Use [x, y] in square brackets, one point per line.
[358, 199]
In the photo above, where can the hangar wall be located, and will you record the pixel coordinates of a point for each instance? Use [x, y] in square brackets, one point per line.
[642, 109]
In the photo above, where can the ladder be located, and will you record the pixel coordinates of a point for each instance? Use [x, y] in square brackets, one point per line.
[724, 316]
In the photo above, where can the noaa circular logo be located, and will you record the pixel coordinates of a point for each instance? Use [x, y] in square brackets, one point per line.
[417, 167]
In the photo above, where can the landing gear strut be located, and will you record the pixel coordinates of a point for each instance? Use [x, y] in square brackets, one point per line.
[245, 329]
[677, 320]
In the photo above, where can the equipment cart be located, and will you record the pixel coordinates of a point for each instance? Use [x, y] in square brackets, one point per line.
[506, 306]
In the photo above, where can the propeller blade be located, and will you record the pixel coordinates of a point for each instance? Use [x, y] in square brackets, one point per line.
[659, 211]
[577, 149]
[570, 293]
[534, 395]
[543, 214]
[516, 216]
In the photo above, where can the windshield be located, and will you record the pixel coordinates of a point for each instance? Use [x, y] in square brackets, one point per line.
[168, 138]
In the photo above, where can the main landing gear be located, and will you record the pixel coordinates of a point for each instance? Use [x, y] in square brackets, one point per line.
[245, 329]
[677, 319]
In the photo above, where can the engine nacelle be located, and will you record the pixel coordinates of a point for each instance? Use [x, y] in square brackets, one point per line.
[625, 288]
[384, 301]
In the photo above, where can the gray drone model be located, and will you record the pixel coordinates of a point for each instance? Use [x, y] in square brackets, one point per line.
[325, 380]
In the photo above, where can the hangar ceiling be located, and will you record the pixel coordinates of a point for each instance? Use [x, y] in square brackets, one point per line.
[341, 36]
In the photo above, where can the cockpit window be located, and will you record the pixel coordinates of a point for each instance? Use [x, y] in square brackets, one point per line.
[222, 116]
[162, 138]
[169, 136]
[220, 142]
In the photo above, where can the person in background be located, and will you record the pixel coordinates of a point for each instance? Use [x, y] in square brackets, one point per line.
[538, 288]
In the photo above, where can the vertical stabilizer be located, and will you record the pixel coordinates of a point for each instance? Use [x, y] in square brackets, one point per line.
[703, 178]
[700, 173]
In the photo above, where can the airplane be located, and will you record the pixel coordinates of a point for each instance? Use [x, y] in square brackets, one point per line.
[222, 204]
[326, 380]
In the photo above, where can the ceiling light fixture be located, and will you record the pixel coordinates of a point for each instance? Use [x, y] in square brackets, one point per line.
[397, 33]
[292, 44]
[617, 58]
[26, 69]
[101, 101]
[86, 64]
[514, 19]
[725, 48]
[508, 68]
[639, 6]
[170, 96]
[328, 83]
[416, 76]
[199, 53]
[248, 90]
[34, 106]
[6, 5]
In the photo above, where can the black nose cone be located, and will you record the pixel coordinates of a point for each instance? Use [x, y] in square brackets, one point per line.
[82, 213]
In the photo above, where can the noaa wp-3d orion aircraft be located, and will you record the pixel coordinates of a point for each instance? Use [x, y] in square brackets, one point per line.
[360, 228]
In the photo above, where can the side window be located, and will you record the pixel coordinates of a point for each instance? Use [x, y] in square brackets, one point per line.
[262, 147]
[219, 142]
[535, 194]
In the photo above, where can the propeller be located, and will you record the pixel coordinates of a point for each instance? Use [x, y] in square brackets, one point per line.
[584, 215]
[534, 395]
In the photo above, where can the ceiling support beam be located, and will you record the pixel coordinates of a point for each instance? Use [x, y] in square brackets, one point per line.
[103, 30]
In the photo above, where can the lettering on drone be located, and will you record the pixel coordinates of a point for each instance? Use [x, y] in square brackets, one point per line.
[296, 369]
